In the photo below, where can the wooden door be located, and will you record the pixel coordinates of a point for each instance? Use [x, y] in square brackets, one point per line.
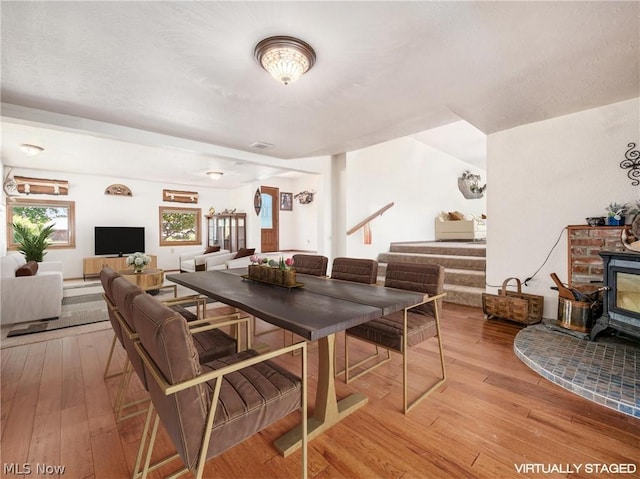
[269, 219]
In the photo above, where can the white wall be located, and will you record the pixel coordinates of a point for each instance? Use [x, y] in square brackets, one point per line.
[547, 175]
[420, 180]
[94, 208]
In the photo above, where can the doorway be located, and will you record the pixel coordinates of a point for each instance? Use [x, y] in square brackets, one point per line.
[269, 219]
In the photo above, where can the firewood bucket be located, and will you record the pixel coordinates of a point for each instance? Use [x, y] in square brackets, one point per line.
[578, 315]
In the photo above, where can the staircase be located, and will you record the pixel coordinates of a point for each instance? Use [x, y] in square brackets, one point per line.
[464, 265]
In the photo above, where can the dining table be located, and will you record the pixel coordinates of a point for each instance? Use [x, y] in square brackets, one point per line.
[316, 309]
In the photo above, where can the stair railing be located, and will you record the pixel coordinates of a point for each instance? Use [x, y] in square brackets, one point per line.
[365, 223]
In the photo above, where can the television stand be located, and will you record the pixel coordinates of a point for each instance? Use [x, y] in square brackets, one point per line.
[92, 266]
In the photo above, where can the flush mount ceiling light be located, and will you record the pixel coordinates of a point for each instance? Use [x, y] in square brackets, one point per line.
[286, 58]
[215, 175]
[31, 150]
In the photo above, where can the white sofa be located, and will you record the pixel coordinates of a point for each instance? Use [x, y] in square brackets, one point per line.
[468, 229]
[232, 262]
[29, 298]
[191, 262]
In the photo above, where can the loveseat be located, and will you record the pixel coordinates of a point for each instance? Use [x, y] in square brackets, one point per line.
[190, 262]
[35, 296]
[467, 228]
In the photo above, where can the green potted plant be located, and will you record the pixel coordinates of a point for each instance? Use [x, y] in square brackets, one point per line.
[33, 240]
[615, 213]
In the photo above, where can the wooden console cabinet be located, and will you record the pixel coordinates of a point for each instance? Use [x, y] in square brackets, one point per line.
[92, 266]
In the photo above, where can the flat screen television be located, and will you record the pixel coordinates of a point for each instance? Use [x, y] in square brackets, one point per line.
[119, 240]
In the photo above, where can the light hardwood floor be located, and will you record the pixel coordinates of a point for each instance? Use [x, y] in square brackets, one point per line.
[493, 415]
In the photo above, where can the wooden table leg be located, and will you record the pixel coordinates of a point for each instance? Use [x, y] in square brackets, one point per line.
[328, 410]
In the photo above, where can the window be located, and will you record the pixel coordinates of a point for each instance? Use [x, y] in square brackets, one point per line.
[179, 226]
[38, 213]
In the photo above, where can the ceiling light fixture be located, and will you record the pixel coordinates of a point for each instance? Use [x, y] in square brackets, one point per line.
[286, 58]
[31, 150]
[215, 175]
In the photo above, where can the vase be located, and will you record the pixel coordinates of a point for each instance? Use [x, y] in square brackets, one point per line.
[138, 269]
[612, 221]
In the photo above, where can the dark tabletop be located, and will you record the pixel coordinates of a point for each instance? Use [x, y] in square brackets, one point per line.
[319, 308]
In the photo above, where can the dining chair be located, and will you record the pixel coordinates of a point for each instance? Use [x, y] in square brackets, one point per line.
[107, 275]
[210, 342]
[208, 408]
[312, 264]
[359, 270]
[404, 329]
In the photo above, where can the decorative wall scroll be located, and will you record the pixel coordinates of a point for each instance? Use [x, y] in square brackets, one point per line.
[469, 186]
[118, 190]
[175, 196]
[305, 197]
[41, 186]
[631, 162]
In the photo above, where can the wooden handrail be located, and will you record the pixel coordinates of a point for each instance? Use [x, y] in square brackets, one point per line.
[369, 218]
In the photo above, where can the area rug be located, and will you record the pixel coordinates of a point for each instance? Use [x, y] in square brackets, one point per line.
[81, 304]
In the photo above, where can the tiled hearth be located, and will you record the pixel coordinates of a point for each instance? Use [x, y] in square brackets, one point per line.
[606, 371]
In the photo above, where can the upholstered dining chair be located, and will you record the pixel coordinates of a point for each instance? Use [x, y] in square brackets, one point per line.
[312, 264]
[208, 408]
[359, 270]
[107, 275]
[210, 342]
[403, 329]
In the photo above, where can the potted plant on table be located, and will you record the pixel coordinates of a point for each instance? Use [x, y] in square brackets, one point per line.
[615, 213]
[33, 240]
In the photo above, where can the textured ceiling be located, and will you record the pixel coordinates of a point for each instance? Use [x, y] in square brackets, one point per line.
[384, 69]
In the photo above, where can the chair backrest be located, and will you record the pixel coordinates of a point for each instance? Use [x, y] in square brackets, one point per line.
[313, 264]
[107, 275]
[355, 269]
[424, 278]
[124, 293]
[166, 338]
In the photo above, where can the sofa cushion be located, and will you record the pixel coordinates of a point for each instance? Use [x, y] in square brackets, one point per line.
[212, 249]
[242, 252]
[30, 268]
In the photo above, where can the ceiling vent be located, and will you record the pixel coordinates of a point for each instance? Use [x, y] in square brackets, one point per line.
[260, 145]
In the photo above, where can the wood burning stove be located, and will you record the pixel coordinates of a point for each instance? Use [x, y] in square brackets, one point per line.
[622, 297]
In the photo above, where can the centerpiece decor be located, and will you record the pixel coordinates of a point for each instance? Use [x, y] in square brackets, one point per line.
[138, 261]
[280, 273]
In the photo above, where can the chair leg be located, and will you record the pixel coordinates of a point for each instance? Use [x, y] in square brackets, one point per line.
[120, 405]
[435, 385]
[106, 374]
[147, 467]
[348, 368]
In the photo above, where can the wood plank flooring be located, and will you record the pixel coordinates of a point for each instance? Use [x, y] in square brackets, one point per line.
[493, 415]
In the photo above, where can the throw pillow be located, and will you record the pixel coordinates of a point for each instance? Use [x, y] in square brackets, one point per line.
[456, 216]
[212, 249]
[30, 268]
[242, 252]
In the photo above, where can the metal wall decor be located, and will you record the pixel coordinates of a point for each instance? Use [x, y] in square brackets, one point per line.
[469, 186]
[118, 190]
[305, 197]
[631, 162]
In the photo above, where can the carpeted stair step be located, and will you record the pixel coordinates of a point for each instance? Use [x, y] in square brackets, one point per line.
[475, 263]
[440, 248]
[461, 277]
[463, 295]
